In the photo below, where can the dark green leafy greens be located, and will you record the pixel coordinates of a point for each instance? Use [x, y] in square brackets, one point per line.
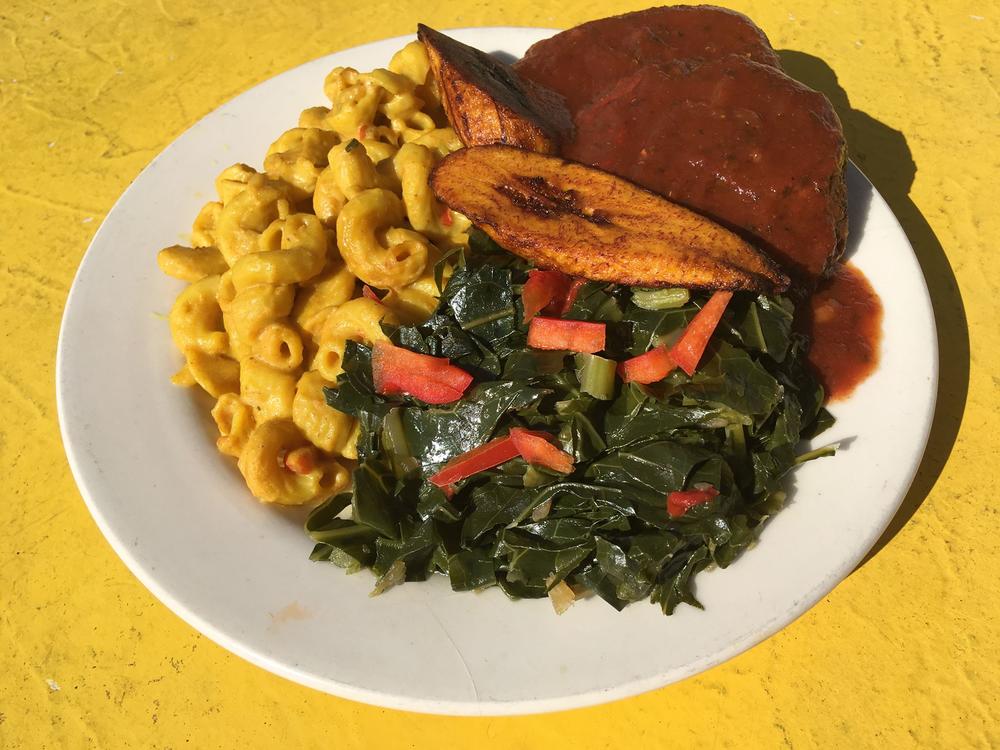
[735, 425]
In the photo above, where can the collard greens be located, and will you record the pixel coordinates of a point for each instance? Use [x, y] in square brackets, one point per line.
[735, 425]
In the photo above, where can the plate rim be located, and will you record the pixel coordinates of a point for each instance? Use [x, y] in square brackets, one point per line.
[479, 707]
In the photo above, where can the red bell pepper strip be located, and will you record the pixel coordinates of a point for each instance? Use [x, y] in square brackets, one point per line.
[574, 290]
[371, 293]
[679, 503]
[396, 370]
[691, 345]
[650, 367]
[393, 367]
[572, 335]
[535, 448]
[497, 451]
[451, 376]
[438, 369]
[486, 456]
[544, 291]
[428, 391]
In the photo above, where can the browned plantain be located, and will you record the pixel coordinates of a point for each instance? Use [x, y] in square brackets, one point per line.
[487, 103]
[585, 222]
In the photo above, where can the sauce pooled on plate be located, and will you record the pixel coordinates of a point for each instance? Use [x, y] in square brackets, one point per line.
[844, 319]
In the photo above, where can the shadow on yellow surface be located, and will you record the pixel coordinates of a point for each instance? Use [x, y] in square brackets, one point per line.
[884, 156]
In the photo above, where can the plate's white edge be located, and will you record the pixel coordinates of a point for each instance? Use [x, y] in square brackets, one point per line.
[482, 707]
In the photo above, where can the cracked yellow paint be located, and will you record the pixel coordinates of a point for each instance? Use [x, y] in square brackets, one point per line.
[904, 653]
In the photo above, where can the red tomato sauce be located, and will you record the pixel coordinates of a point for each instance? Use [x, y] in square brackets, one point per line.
[845, 322]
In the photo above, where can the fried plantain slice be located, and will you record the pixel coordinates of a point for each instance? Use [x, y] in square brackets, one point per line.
[585, 222]
[486, 102]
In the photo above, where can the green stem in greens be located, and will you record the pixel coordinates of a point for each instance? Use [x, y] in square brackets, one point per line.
[660, 299]
[736, 437]
[826, 450]
[534, 478]
[469, 325]
[753, 330]
[396, 448]
[596, 375]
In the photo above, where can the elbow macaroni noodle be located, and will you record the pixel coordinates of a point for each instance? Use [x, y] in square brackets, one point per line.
[276, 265]
[389, 263]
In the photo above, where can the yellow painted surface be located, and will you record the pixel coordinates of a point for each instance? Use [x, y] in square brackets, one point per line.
[904, 653]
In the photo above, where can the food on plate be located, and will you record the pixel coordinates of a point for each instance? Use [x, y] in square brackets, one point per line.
[581, 62]
[585, 222]
[553, 477]
[397, 371]
[556, 334]
[487, 102]
[653, 95]
[779, 180]
[549, 292]
[278, 265]
[561, 360]
[844, 320]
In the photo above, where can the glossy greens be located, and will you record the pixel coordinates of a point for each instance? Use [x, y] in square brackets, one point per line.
[735, 425]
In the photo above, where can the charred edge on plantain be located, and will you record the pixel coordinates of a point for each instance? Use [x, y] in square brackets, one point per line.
[540, 197]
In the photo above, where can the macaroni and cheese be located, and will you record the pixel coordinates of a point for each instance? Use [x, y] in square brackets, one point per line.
[277, 264]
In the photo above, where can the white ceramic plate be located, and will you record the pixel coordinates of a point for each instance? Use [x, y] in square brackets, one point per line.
[180, 517]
